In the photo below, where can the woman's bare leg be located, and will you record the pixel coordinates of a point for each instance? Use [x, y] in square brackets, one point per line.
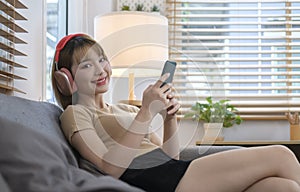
[237, 170]
[274, 184]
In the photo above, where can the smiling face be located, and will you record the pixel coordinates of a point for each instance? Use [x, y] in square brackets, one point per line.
[92, 73]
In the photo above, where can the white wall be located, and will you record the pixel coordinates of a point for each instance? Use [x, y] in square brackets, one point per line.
[82, 13]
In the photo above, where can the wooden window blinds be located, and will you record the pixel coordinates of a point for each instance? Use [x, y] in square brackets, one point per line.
[8, 39]
[246, 51]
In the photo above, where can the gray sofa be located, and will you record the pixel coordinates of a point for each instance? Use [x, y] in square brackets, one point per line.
[34, 155]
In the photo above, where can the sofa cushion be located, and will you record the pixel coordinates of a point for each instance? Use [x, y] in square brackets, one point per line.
[36, 157]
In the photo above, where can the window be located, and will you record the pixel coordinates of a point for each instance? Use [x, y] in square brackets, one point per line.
[246, 51]
[56, 29]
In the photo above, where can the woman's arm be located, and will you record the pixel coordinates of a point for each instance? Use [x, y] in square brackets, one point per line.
[170, 139]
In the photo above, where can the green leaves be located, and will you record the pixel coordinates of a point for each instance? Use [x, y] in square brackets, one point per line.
[215, 112]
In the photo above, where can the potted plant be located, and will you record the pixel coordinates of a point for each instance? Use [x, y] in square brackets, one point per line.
[139, 7]
[214, 115]
[125, 8]
[154, 8]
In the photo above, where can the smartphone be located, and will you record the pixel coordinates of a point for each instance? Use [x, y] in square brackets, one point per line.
[169, 67]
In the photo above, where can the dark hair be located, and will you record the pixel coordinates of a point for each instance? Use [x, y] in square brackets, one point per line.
[72, 53]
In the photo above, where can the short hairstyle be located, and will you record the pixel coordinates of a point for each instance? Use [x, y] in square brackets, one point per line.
[72, 54]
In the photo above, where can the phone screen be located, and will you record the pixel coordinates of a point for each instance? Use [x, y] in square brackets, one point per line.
[169, 67]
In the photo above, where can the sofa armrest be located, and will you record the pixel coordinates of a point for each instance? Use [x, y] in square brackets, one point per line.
[193, 152]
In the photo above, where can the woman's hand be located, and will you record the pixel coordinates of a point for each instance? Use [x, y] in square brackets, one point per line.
[173, 105]
[171, 109]
[157, 97]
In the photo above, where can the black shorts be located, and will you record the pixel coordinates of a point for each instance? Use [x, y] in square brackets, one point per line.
[155, 171]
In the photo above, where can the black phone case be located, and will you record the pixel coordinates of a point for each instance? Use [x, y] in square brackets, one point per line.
[169, 67]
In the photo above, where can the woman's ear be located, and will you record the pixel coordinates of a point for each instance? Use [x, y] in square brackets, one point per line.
[65, 82]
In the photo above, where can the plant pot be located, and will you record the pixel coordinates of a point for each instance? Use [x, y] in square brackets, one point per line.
[294, 132]
[213, 132]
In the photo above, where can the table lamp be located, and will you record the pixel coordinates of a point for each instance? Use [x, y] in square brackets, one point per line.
[136, 43]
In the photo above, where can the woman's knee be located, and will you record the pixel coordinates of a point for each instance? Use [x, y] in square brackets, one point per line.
[290, 186]
[281, 151]
[294, 186]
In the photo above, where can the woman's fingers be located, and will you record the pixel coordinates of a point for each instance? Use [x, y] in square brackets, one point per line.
[170, 94]
[173, 109]
[164, 77]
[161, 80]
[173, 106]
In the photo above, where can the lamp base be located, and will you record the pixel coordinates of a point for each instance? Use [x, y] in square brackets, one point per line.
[131, 86]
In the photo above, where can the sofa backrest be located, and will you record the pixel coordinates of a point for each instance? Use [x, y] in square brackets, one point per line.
[40, 116]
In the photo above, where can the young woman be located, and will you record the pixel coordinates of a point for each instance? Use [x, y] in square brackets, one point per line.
[117, 138]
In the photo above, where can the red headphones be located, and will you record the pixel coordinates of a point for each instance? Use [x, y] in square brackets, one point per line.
[63, 77]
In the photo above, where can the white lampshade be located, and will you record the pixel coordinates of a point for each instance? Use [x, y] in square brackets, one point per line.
[134, 42]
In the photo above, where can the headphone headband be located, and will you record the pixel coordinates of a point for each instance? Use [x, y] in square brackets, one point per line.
[62, 43]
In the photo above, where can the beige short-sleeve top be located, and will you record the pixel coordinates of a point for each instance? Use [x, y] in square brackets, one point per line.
[109, 123]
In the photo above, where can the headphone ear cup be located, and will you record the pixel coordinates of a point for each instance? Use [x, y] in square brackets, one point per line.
[65, 82]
